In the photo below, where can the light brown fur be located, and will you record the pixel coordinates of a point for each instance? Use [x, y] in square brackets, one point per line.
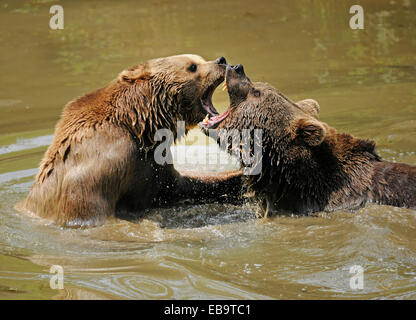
[101, 159]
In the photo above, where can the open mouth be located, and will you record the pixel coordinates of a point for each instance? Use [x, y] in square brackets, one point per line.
[213, 119]
[206, 99]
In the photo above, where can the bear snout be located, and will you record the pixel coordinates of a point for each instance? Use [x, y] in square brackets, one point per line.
[239, 69]
[221, 60]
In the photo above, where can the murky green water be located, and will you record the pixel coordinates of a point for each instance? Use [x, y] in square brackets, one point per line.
[363, 79]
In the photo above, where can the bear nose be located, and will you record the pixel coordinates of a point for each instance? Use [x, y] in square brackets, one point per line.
[239, 69]
[221, 60]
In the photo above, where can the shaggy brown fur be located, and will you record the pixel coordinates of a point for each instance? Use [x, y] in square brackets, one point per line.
[101, 159]
[308, 166]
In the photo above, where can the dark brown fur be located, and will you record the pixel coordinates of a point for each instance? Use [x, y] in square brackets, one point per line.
[101, 159]
[308, 166]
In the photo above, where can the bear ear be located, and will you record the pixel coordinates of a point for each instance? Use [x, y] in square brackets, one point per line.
[311, 131]
[135, 74]
[310, 106]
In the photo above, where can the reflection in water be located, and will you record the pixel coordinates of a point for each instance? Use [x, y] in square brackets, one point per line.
[363, 79]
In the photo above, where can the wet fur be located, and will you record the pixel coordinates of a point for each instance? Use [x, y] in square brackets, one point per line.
[308, 166]
[101, 162]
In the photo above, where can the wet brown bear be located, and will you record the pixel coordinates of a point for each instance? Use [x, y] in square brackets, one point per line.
[308, 166]
[101, 160]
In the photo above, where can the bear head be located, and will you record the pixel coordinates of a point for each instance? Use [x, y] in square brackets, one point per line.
[289, 130]
[178, 88]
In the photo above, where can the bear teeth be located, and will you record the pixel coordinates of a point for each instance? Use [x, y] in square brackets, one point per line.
[224, 86]
[206, 119]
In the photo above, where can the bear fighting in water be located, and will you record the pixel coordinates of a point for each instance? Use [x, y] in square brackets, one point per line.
[306, 166]
[101, 160]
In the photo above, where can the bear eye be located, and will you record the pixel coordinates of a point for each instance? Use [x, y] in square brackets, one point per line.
[256, 93]
[192, 67]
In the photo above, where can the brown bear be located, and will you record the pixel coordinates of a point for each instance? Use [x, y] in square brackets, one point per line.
[101, 160]
[306, 166]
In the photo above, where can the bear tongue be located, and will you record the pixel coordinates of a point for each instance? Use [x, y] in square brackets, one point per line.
[214, 121]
